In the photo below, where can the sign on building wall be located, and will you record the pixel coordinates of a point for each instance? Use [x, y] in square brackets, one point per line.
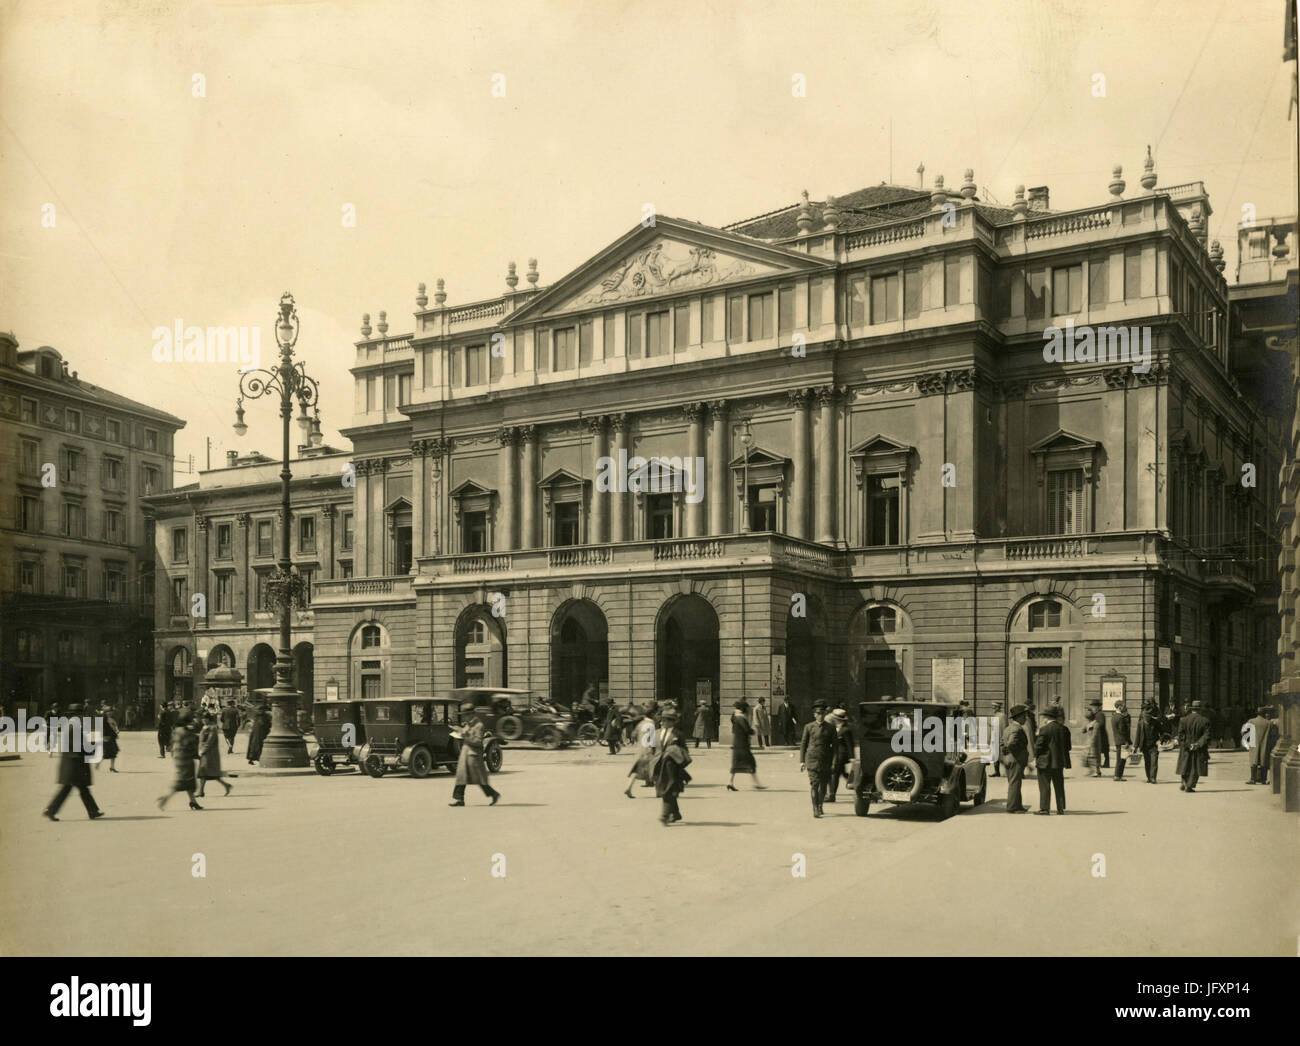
[778, 677]
[1112, 690]
[948, 679]
[1163, 657]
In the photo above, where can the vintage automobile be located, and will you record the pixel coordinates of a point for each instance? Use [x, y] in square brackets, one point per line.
[340, 733]
[950, 773]
[516, 715]
[417, 734]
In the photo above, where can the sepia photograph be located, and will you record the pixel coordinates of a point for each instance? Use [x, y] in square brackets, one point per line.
[579, 479]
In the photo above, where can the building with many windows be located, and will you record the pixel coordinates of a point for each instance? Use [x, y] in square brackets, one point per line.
[216, 546]
[826, 451]
[76, 579]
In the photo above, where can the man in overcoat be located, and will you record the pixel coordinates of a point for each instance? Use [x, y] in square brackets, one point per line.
[1014, 745]
[74, 772]
[230, 726]
[1120, 724]
[786, 723]
[470, 767]
[817, 754]
[1193, 748]
[1001, 718]
[1265, 737]
[166, 721]
[1146, 739]
[1052, 755]
[1098, 738]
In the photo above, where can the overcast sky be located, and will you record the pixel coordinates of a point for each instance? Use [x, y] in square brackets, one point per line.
[170, 206]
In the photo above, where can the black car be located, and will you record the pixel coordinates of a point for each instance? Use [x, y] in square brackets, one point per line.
[340, 733]
[417, 734]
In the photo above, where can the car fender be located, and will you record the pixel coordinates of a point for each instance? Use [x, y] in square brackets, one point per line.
[405, 756]
[362, 752]
[953, 782]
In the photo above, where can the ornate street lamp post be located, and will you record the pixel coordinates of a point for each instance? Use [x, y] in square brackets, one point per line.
[746, 438]
[284, 745]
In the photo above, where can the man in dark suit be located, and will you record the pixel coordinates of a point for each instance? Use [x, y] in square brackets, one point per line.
[1098, 739]
[1014, 744]
[817, 754]
[1265, 737]
[74, 771]
[1120, 724]
[1001, 719]
[786, 722]
[1052, 754]
[1147, 739]
[1193, 748]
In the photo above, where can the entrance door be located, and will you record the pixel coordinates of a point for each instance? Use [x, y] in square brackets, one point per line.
[880, 677]
[1045, 686]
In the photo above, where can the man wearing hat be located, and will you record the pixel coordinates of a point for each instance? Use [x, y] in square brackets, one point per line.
[817, 754]
[470, 767]
[1193, 748]
[1014, 742]
[1264, 732]
[1001, 719]
[1098, 739]
[669, 768]
[1119, 733]
[74, 772]
[1052, 754]
[1146, 739]
[1031, 729]
[842, 752]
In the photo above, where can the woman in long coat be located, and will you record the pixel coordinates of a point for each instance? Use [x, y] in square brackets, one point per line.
[166, 723]
[643, 765]
[470, 767]
[110, 739]
[185, 750]
[669, 770]
[742, 755]
[703, 726]
[261, 726]
[210, 754]
[612, 730]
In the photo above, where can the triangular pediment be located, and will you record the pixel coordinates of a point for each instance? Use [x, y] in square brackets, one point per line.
[1063, 440]
[470, 489]
[667, 258]
[880, 444]
[758, 457]
[561, 477]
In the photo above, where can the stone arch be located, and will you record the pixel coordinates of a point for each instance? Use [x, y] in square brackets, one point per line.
[881, 648]
[687, 650]
[1045, 658]
[221, 656]
[806, 675]
[479, 643]
[579, 649]
[261, 668]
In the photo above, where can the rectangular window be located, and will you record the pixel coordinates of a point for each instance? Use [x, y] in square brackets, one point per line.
[542, 351]
[566, 523]
[1067, 289]
[814, 304]
[473, 532]
[74, 580]
[29, 513]
[113, 529]
[565, 357]
[150, 479]
[345, 568]
[682, 326]
[607, 349]
[346, 541]
[475, 366]
[308, 575]
[1098, 281]
[586, 339]
[180, 545]
[658, 335]
[72, 467]
[29, 410]
[426, 369]
[520, 353]
[634, 324]
[28, 578]
[113, 473]
[736, 319]
[1035, 294]
[496, 359]
[884, 298]
[951, 281]
[390, 392]
[1132, 273]
[882, 510]
[912, 282]
[223, 540]
[74, 520]
[455, 366]
[150, 439]
[180, 597]
[762, 321]
[221, 594]
[265, 537]
[1065, 501]
[785, 309]
[31, 458]
[307, 534]
[659, 512]
[858, 301]
[762, 509]
[404, 389]
[73, 420]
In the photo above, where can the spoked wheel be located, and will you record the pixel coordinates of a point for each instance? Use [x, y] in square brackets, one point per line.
[548, 739]
[588, 734]
[374, 766]
[324, 764]
[421, 763]
[492, 757]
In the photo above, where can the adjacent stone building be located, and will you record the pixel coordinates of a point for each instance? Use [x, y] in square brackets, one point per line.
[76, 571]
[870, 479]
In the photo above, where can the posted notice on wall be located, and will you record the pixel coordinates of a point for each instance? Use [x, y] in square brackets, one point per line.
[948, 678]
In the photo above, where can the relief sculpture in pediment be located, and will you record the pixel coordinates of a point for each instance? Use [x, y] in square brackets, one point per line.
[662, 268]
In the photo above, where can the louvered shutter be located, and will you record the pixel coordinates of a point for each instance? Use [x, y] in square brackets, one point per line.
[1053, 501]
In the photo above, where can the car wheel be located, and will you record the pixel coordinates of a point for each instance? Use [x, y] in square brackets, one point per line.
[492, 757]
[421, 763]
[588, 734]
[548, 738]
[861, 805]
[947, 805]
[374, 766]
[899, 773]
[324, 764]
[511, 727]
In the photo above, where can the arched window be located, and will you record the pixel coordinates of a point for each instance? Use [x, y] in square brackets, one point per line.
[881, 621]
[370, 637]
[1044, 614]
[476, 632]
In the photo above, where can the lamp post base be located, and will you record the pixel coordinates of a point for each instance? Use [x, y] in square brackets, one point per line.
[283, 752]
[284, 747]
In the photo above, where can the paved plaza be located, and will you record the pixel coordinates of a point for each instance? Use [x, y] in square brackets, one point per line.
[297, 864]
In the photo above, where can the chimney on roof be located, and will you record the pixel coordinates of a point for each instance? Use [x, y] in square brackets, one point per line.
[1038, 200]
[231, 457]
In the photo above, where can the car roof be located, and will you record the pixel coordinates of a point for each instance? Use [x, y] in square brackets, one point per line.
[386, 700]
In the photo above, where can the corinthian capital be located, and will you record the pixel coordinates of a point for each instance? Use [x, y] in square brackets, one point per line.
[507, 436]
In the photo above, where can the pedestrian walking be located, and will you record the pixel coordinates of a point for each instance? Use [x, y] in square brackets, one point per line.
[1263, 736]
[1098, 738]
[259, 727]
[111, 732]
[210, 755]
[52, 735]
[669, 770]
[1052, 756]
[1014, 744]
[230, 726]
[816, 754]
[1193, 748]
[612, 729]
[166, 723]
[841, 753]
[1146, 739]
[185, 753]
[1120, 725]
[762, 724]
[644, 735]
[742, 756]
[470, 767]
[703, 730]
[1000, 718]
[74, 772]
[786, 723]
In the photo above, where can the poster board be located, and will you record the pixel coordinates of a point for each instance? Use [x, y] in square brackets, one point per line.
[1112, 690]
[778, 686]
[948, 679]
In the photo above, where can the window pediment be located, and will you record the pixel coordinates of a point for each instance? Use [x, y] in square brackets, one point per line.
[881, 454]
[1063, 441]
[561, 478]
[470, 489]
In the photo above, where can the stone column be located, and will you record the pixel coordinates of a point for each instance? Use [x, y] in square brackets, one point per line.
[802, 466]
[240, 594]
[418, 450]
[361, 521]
[719, 467]
[528, 487]
[202, 582]
[696, 521]
[599, 532]
[507, 531]
[826, 465]
[617, 498]
[331, 546]
[439, 452]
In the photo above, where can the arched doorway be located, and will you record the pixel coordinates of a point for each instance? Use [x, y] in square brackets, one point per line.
[1045, 656]
[686, 654]
[303, 665]
[261, 668]
[805, 662]
[180, 676]
[480, 649]
[880, 652]
[579, 650]
[221, 656]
